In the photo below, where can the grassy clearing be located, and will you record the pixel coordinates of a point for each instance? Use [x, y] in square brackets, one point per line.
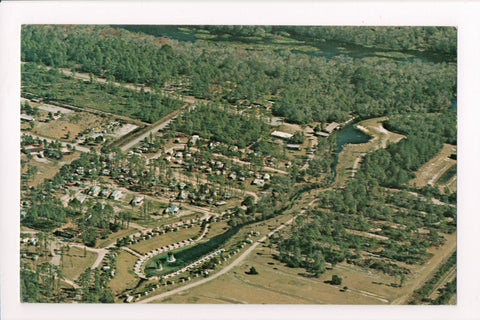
[449, 174]
[74, 263]
[165, 239]
[46, 168]
[189, 254]
[124, 277]
[278, 284]
[433, 170]
[114, 236]
[73, 122]
[350, 157]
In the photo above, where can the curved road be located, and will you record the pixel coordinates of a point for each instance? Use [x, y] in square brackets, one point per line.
[224, 270]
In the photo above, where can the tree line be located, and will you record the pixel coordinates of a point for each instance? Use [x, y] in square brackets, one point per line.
[305, 88]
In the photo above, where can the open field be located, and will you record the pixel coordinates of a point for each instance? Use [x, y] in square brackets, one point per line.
[163, 240]
[426, 271]
[46, 168]
[431, 171]
[124, 276]
[350, 157]
[74, 263]
[72, 122]
[114, 236]
[277, 283]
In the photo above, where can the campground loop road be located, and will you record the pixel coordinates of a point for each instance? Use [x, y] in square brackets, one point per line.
[227, 268]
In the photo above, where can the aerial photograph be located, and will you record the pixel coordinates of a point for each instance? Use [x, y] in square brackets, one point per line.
[238, 164]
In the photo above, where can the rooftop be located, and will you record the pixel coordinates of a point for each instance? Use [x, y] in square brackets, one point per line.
[283, 135]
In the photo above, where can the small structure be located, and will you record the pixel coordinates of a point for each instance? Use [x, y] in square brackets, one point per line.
[321, 134]
[172, 210]
[183, 195]
[116, 195]
[258, 182]
[220, 203]
[266, 177]
[105, 193]
[81, 197]
[195, 138]
[26, 117]
[95, 190]
[293, 146]
[282, 135]
[331, 127]
[171, 258]
[137, 201]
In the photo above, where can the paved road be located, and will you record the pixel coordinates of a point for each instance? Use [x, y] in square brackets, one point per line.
[152, 129]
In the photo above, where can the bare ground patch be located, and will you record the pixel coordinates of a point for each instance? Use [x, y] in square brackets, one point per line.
[431, 171]
[350, 157]
[73, 122]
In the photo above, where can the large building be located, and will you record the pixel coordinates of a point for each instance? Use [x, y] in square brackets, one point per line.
[282, 135]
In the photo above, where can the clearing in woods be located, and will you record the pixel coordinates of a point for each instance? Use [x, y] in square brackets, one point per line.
[124, 276]
[350, 157]
[74, 263]
[72, 123]
[164, 240]
[279, 284]
[431, 171]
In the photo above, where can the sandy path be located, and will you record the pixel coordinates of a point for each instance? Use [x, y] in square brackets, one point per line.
[77, 147]
[356, 163]
[428, 270]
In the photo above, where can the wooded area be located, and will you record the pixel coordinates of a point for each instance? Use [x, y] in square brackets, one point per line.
[305, 87]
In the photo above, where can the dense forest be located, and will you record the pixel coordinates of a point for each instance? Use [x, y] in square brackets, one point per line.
[426, 134]
[442, 40]
[305, 88]
[55, 86]
[372, 222]
[234, 129]
[341, 227]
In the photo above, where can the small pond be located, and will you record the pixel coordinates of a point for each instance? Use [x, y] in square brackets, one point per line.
[346, 135]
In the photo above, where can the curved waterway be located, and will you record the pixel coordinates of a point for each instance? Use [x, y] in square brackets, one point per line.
[347, 135]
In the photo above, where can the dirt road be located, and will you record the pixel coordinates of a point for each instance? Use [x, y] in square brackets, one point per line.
[64, 144]
[428, 269]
